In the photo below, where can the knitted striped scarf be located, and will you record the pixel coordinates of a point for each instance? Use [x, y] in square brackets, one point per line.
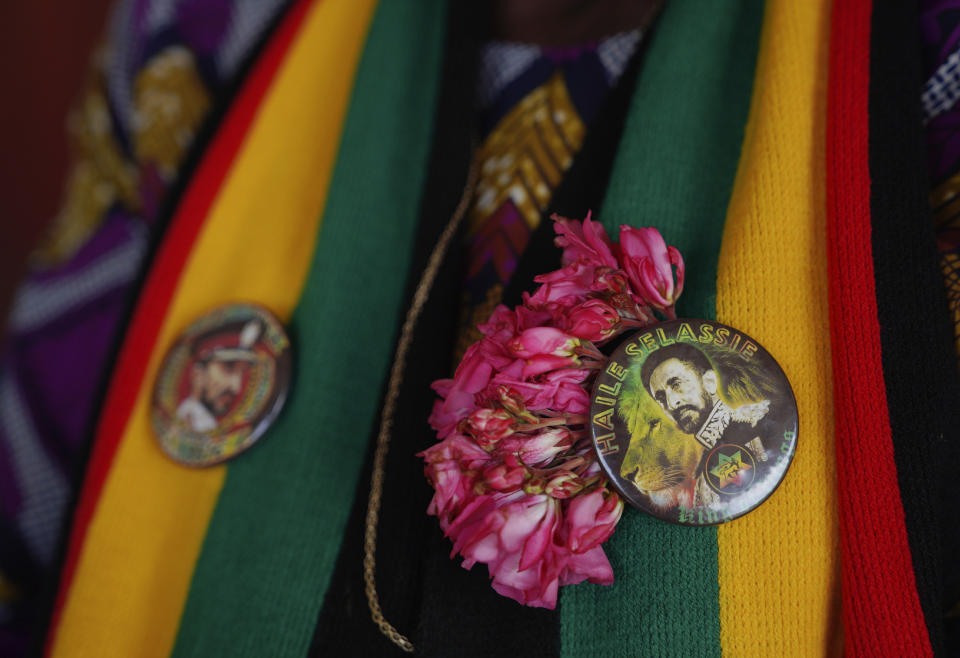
[770, 144]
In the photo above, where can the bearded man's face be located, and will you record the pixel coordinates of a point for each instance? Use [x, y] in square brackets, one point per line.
[679, 389]
[222, 383]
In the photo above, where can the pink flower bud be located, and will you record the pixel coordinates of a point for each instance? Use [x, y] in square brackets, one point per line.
[539, 449]
[591, 565]
[558, 390]
[450, 467]
[502, 325]
[572, 284]
[488, 426]
[534, 485]
[528, 318]
[544, 341]
[513, 401]
[563, 485]
[543, 363]
[452, 488]
[649, 264]
[505, 476]
[594, 470]
[591, 519]
[587, 240]
[542, 448]
[472, 376]
[593, 320]
[609, 281]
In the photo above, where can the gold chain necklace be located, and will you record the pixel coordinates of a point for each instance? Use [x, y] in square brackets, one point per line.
[397, 370]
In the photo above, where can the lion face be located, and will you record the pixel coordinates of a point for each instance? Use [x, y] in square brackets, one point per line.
[661, 462]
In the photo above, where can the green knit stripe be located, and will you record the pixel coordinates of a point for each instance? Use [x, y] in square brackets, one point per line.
[674, 170]
[273, 540]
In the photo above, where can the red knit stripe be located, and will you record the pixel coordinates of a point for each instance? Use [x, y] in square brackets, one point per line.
[161, 283]
[881, 608]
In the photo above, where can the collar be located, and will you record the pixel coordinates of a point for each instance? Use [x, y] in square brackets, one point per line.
[715, 425]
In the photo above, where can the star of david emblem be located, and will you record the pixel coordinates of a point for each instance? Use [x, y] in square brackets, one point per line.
[730, 469]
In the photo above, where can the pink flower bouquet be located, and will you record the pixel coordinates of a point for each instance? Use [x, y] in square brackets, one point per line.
[517, 483]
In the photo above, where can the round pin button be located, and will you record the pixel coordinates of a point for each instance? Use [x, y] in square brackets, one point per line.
[221, 385]
[694, 422]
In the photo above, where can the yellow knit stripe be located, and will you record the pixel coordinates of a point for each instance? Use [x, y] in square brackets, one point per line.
[778, 566]
[137, 562]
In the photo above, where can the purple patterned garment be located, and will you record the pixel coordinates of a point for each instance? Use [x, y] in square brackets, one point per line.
[940, 30]
[150, 89]
[536, 106]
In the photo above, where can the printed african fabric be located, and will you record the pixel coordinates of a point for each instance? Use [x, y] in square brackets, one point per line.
[536, 105]
[941, 44]
[148, 92]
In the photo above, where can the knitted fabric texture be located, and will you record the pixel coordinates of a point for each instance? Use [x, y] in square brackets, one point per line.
[733, 146]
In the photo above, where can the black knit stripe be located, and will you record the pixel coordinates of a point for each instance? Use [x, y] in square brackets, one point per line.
[922, 382]
[405, 532]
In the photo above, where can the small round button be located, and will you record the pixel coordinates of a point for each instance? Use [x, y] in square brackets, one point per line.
[693, 422]
[221, 385]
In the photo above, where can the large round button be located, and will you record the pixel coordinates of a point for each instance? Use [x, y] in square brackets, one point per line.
[221, 385]
[693, 422]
